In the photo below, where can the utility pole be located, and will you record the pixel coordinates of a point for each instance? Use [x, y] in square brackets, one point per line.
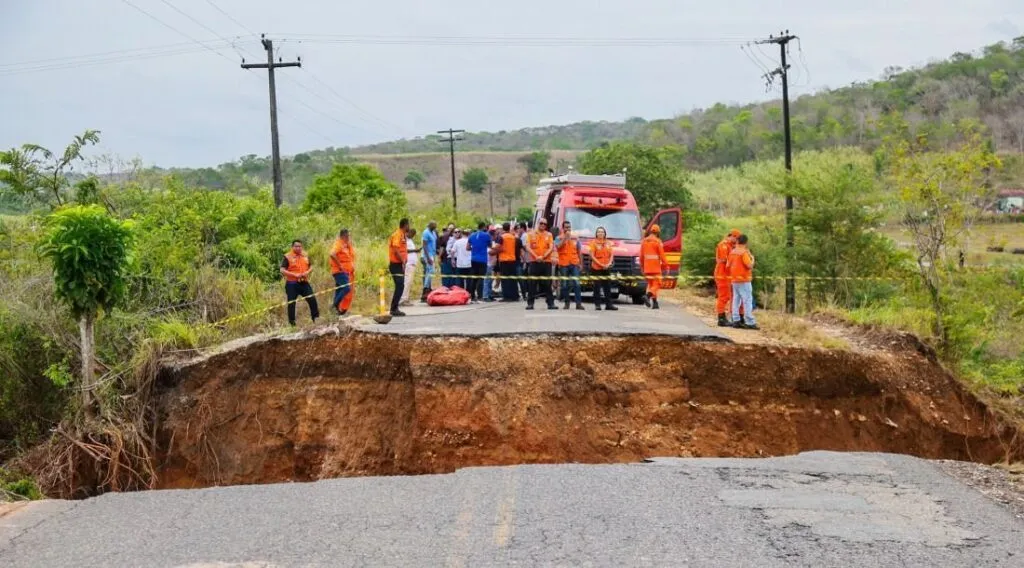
[275, 148]
[783, 40]
[490, 193]
[452, 138]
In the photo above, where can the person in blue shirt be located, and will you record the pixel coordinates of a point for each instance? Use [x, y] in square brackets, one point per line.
[429, 258]
[479, 244]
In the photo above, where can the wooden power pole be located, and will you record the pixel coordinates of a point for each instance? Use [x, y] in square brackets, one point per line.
[783, 40]
[452, 138]
[490, 193]
[275, 147]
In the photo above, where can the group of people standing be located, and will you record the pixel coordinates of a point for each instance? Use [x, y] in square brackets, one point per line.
[734, 273]
[476, 260]
[295, 267]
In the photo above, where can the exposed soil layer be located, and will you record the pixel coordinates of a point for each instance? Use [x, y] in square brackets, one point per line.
[364, 404]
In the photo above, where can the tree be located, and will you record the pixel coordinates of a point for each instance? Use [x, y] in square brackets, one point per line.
[474, 180]
[941, 195]
[535, 163]
[89, 251]
[415, 178]
[38, 174]
[358, 190]
[836, 223]
[653, 175]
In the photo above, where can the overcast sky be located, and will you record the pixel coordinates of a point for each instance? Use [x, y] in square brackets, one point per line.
[198, 108]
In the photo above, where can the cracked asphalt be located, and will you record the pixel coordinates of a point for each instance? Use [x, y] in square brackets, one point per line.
[813, 509]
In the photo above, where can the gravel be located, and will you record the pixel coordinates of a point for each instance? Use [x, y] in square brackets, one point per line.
[1002, 484]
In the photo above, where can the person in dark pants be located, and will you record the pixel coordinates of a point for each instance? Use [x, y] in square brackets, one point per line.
[601, 259]
[479, 243]
[447, 265]
[524, 288]
[397, 255]
[507, 264]
[540, 246]
[295, 269]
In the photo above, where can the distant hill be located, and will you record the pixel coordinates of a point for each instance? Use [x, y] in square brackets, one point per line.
[576, 136]
[987, 86]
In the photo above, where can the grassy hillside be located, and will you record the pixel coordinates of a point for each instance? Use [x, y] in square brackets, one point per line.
[576, 136]
[987, 86]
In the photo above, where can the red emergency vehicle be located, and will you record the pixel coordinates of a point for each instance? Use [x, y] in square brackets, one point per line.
[592, 201]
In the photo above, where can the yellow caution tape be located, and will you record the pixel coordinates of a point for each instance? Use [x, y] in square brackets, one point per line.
[583, 278]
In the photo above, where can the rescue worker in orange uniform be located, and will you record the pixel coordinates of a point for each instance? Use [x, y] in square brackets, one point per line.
[601, 258]
[507, 264]
[741, 271]
[569, 264]
[398, 254]
[295, 268]
[541, 248]
[722, 283]
[653, 264]
[343, 269]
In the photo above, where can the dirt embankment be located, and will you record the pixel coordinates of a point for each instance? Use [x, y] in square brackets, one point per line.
[360, 404]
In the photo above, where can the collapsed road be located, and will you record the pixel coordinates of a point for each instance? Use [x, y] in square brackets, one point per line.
[452, 392]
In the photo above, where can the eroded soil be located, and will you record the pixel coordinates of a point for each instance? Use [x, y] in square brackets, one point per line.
[361, 404]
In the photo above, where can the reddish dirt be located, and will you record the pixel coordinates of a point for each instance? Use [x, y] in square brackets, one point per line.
[361, 404]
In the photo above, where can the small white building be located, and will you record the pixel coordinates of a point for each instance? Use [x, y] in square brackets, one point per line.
[1010, 201]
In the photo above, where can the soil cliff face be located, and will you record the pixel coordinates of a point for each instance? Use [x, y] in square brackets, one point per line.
[365, 404]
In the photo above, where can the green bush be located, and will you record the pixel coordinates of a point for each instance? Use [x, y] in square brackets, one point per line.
[30, 403]
[18, 486]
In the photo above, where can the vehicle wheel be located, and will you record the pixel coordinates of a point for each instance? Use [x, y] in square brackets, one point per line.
[637, 300]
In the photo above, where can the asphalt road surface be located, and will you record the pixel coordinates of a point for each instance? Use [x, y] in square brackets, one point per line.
[501, 319]
[814, 509]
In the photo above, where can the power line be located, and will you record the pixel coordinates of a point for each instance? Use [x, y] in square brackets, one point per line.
[237, 23]
[12, 70]
[176, 30]
[277, 176]
[200, 24]
[511, 41]
[296, 120]
[116, 52]
[357, 108]
[757, 62]
[803, 62]
[320, 112]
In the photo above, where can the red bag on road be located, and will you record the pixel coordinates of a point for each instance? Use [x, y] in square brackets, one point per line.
[453, 296]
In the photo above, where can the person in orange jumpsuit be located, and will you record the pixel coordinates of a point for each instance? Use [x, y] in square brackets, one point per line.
[722, 282]
[343, 268]
[741, 271]
[653, 263]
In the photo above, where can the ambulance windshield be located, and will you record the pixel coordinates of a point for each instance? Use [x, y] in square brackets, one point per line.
[621, 224]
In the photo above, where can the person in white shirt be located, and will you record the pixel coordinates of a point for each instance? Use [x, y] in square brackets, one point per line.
[463, 258]
[410, 266]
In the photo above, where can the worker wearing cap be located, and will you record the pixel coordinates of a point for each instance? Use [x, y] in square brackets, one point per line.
[540, 246]
[723, 284]
[653, 263]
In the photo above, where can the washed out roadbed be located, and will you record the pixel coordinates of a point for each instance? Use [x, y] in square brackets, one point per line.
[338, 403]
